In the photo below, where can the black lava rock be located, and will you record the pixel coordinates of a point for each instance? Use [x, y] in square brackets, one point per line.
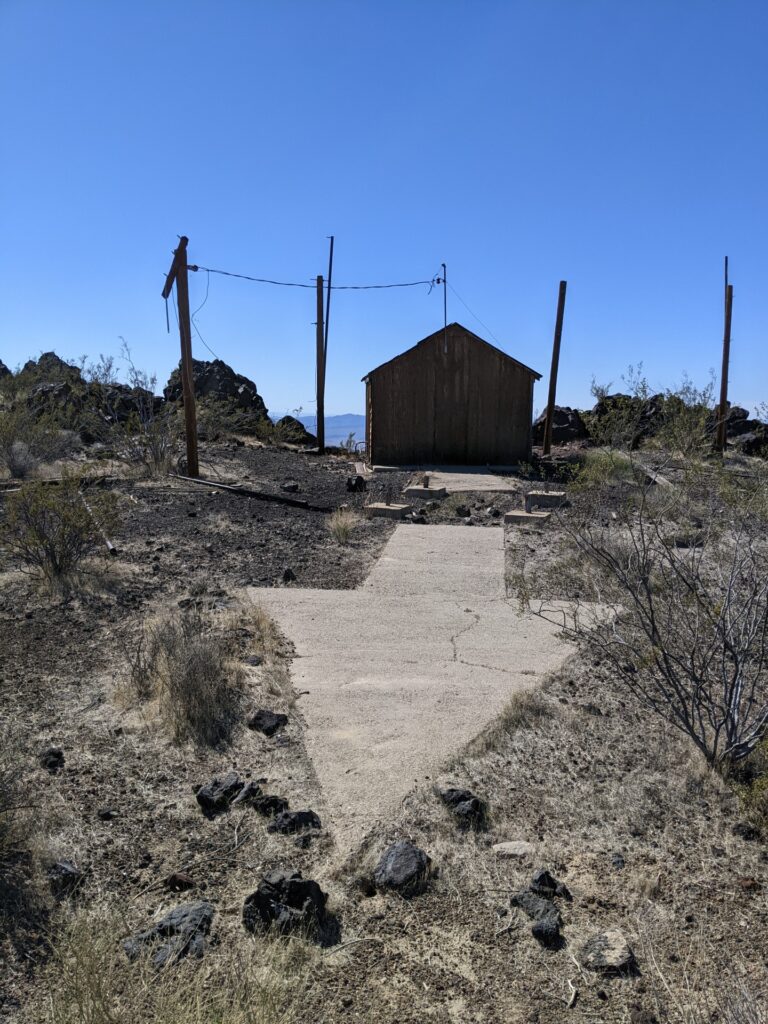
[52, 759]
[287, 822]
[64, 878]
[185, 928]
[544, 914]
[468, 808]
[404, 868]
[216, 796]
[287, 902]
[544, 884]
[267, 722]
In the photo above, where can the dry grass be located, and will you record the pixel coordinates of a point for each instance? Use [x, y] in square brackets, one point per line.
[341, 523]
[186, 666]
[246, 981]
[525, 710]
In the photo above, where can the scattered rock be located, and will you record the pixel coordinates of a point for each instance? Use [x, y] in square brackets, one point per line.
[462, 511]
[287, 822]
[516, 849]
[546, 885]
[750, 885]
[608, 953]
[179, 881]
[544, 914]
[357, 484]
[746, 831]
[52, 759]
[107, 813]
[591, 709]
[216, 796]
[269, 805]
[288, 575]
[617, 860]
[185, 928]
[64, 877]
[468, 808]
[290, 486]
[286, 902]
[267, 722]
[404, 868]
[254, 659]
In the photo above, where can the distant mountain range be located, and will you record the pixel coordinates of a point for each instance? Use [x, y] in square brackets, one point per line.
[338, 428]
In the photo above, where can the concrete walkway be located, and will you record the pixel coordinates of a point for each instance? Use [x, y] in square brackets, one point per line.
[405, 670]
[461, 480]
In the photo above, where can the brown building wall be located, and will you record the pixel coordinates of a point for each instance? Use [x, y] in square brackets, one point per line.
[455, 400]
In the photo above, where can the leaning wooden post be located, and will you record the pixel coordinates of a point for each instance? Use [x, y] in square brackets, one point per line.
[722, 420]
[320, 334]
[178, 273]
[553, 371]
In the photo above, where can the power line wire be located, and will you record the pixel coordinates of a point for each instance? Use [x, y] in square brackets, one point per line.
[296, 284]
[473, 314]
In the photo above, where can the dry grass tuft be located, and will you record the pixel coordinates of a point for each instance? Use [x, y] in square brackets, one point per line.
[188, 668]
[341, 523]
[246, 981]
[525, 710]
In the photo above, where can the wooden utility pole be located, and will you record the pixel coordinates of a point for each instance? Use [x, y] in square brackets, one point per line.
[178, 273]
[320, 334]
[722, 412]
[553, 371]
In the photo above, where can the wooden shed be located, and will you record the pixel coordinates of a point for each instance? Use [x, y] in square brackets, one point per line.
[452, 399]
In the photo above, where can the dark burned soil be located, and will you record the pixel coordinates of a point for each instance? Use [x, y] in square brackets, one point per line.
[611, 803]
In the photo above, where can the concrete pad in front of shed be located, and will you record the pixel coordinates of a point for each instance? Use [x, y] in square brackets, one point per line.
[404, 671]
[460, 480]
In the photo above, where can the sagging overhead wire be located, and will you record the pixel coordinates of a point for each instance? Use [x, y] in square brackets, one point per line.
[297, 284]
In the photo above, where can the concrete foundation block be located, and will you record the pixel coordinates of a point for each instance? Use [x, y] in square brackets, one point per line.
[521, 518]
[544, 499]
[381, 510]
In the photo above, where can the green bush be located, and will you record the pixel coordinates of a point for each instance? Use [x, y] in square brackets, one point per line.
[48, 530]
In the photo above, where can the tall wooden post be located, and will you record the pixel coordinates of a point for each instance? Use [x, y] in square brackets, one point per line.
[320, 368]
[722, 417]
[553, 371]
[178, 273]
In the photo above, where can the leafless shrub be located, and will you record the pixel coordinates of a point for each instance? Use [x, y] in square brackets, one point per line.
[188, 667]
[341, 523]
[48, 530]
[683, 619]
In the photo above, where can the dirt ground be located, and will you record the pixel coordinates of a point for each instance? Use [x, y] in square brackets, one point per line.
[614, 805]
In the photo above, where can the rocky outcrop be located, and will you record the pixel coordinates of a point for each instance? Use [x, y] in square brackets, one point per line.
[567, 425]
[288, 428]
[216, 381]
[4, 371]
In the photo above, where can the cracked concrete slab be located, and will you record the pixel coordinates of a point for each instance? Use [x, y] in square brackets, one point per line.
[405, 670]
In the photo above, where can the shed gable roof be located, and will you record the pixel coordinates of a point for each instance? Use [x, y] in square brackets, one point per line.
[438, 334]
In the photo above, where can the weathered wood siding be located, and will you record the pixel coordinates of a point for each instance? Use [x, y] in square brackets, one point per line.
[450, 400]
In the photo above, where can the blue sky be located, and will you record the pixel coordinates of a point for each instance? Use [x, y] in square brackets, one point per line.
[622, 146]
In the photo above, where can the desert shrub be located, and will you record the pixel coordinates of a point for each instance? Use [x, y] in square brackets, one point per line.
[341, 523]
[680, 614]
[189, 669]
[48, 530]
[26, 441]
